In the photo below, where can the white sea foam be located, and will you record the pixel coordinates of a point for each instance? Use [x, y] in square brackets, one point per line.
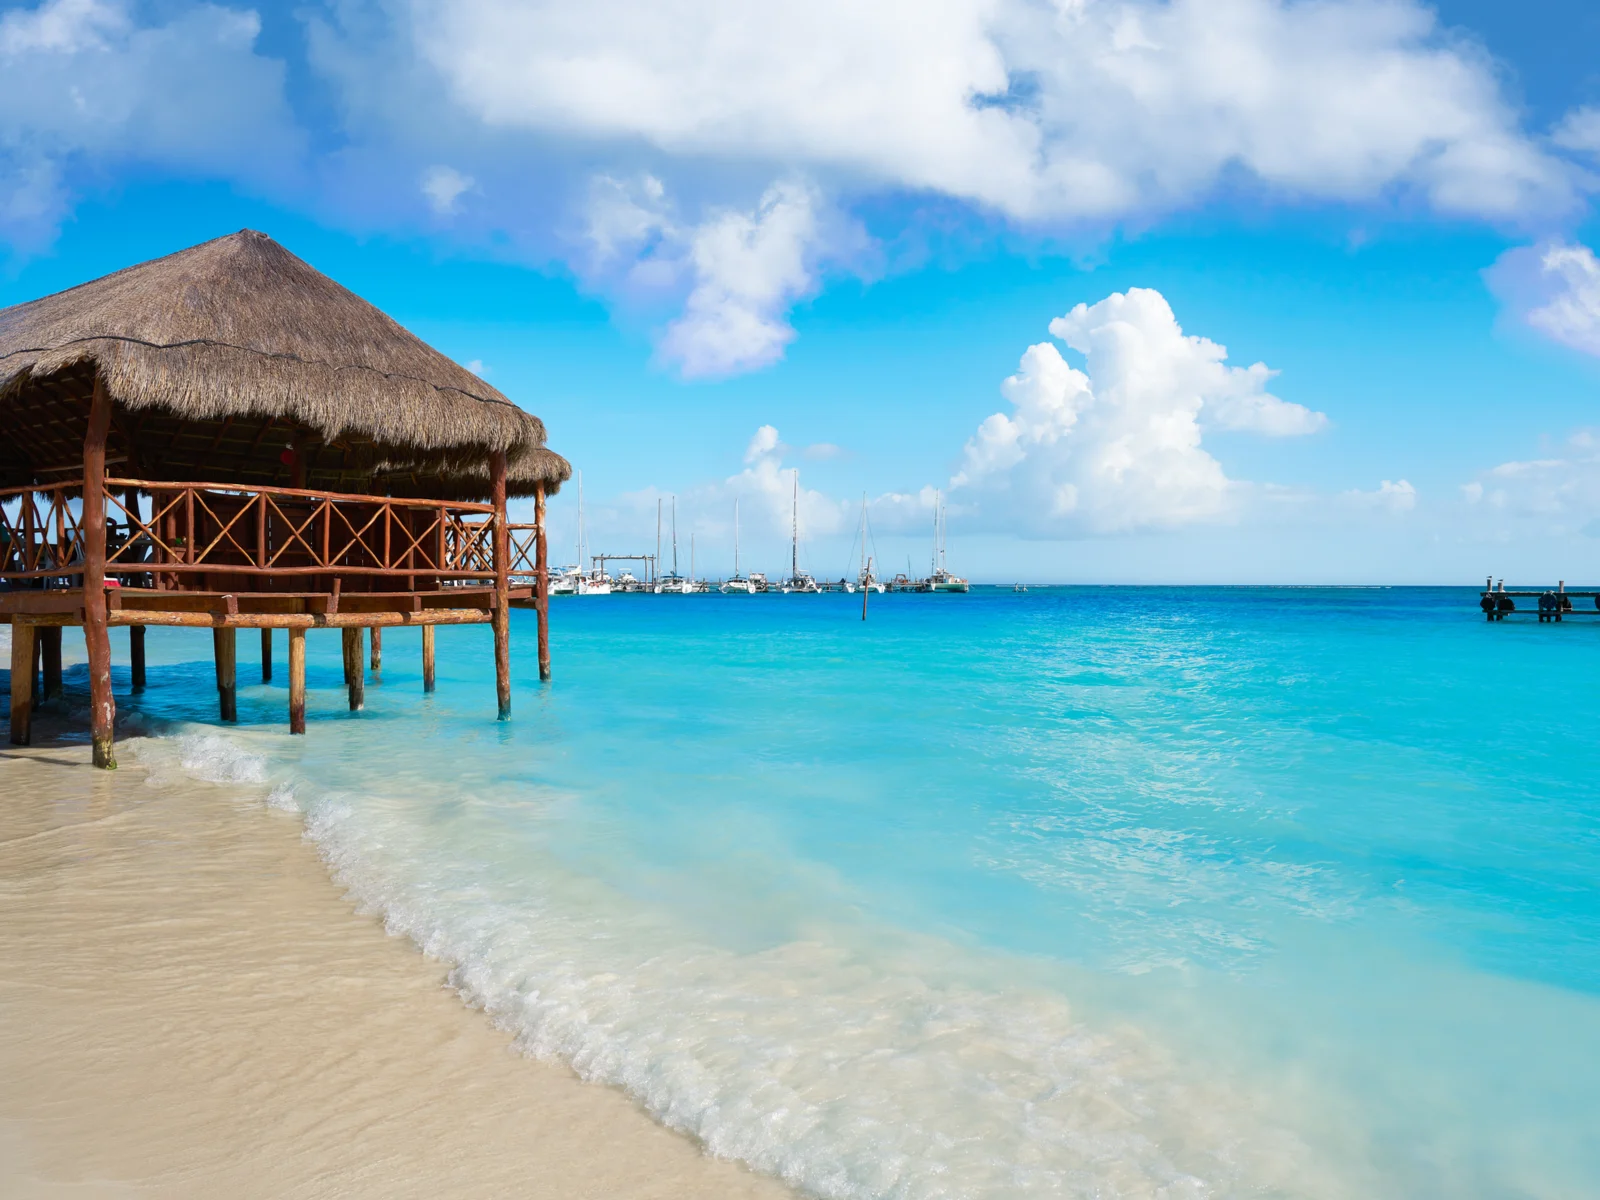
[851, 1063]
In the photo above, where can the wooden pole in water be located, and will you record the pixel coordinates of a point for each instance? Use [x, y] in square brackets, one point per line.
[225, 647]
[50, 660]
[354, 670]
[541, 575]
[22, 641]
[427, 658]
[297, 680]
[502, 585]
[377, 649]
[102, 706]
[266, 656]
[136, 655]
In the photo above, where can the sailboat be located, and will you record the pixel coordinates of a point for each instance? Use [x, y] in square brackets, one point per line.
[941, 580]
[865, 579]
[674, 584]
[738, 584]
[798, 581]
[573, 580]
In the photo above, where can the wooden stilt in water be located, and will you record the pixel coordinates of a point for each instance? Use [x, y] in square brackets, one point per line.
[50, 661]
[355, 674]
[266, 656]
[297, 681]
[502, 585]
[225, 646]
[541, 576]
[377, 649]
[22, 643]
[102, 707]
[136, 655]
[427, 658]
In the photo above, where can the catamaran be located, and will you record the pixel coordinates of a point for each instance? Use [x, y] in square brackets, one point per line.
[798, 580]
[673, 584]
[738, 584]
[941, 580]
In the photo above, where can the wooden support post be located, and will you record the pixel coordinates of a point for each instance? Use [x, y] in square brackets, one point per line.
[22, 641]
[136, 655]
[502, 585]
[266, 655]
[354, 670]
[50, 657]
[36, 669]
[102, 707]
[377, 649]
[427, 658]
[225, 643]
[297, 680]
[541, 576]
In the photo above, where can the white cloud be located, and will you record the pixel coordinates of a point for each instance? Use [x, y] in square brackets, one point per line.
[1555, 290]
[1558, 494]
[1579, 130]
[1082, 108]
[444, 187]
[1117, 447]
[477, 367]
[87, 86]
[1390, 496]
[748, 269]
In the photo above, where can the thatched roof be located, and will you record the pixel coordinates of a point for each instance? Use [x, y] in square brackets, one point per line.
[229, 359]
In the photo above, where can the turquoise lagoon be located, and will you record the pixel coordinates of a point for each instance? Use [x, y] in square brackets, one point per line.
[1079, 892]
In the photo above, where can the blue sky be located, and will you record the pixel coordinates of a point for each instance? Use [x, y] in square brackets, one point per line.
[713, 243]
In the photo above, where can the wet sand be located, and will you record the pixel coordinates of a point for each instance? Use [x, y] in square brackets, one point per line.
[189, 1007]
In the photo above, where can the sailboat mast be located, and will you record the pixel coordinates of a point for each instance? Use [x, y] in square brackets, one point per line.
[674, 537]
[935, 560]
[655, 565]
[580, 522]
[736, 537]
[794, 540]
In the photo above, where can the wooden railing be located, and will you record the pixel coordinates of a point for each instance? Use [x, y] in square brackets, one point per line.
[524, 543]
[279, 532]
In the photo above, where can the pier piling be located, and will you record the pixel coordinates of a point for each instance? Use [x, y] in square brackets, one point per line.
[50, 661]
[22, 642]
[225, 647]
[297, 680]
[136, 655]
[377, 649]
[427, 658]
[354, 670]
[266, 656]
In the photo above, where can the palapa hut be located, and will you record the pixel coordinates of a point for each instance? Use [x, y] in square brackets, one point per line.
[226, 437]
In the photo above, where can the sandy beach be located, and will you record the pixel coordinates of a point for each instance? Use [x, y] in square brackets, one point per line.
[190, 1007]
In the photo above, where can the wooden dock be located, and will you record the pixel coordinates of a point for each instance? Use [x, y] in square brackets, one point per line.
[1549, 605]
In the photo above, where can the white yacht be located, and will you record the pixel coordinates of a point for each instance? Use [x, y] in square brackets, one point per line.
[798, 581]
[738, 585]
[941, 580]
[865, 580]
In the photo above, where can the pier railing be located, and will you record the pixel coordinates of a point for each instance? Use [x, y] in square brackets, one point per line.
[198, 528]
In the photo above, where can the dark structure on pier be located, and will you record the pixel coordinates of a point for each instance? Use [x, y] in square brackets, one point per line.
[227, 438]
[1551, 604]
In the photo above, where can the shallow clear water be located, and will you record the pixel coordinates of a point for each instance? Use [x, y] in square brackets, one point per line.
[1167, 892]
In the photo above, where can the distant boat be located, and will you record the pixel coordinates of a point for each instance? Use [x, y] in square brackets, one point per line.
[673, 584]
[738, 585]
[941, 580]
[798, 581]
[865, 579]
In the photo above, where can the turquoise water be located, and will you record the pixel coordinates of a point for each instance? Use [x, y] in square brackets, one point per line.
[1089, 892]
